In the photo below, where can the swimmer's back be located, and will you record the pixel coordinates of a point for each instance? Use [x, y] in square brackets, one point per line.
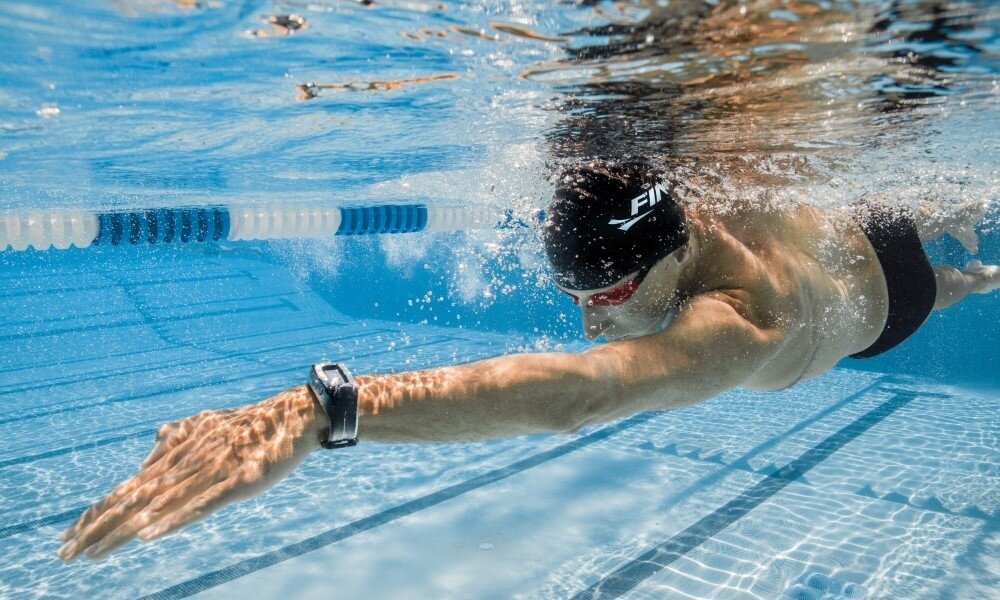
[810, 272]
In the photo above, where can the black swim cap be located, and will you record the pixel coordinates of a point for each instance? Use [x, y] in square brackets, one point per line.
[607, 221]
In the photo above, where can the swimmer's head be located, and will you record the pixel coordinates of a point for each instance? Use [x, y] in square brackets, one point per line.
[616, 237]
[608, 221]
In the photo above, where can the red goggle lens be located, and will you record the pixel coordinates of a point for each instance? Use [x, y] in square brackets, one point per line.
[614, 296]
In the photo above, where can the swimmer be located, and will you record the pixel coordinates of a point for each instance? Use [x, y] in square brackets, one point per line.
[692, 300]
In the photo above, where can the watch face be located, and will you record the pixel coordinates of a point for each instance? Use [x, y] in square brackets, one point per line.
[333, 375]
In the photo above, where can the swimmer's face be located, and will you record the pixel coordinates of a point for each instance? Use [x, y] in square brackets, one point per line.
[636, 305]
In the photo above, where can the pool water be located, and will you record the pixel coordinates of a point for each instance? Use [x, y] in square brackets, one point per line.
[879, 479]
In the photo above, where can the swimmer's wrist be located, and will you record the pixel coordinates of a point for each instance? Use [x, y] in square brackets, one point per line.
[317, 421]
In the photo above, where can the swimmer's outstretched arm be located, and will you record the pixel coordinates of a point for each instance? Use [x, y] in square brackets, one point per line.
[708, 349]
[213, 458]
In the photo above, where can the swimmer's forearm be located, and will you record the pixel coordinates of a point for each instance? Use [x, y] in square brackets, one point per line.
[710, 348]
[501, 397]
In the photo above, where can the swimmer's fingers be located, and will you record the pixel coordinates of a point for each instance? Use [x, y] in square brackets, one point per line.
[104, 521]
[165, 502]
[109, 526]
[228, 455]
[97, 509]
[124, 488]
[199, 507]
[131, 494]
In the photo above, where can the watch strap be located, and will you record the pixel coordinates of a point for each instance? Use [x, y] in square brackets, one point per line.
[334, 387]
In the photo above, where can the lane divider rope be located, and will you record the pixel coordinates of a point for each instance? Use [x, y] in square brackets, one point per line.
[60, 229]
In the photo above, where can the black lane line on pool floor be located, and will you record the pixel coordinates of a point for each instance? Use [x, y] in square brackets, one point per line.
[217, 355]
[140, 322]
[170, 346]
[634, 572]
[113, 284]
[20, 460]
[73, 513]
[250, 565]
[67, 515]
[134, 309]
[234, 378]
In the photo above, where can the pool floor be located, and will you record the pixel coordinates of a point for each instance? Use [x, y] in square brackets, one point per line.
[854, 485]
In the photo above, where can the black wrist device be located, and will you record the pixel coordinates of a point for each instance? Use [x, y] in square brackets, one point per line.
[334, 387]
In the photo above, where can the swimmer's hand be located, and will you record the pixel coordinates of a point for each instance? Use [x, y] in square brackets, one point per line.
[197, 466]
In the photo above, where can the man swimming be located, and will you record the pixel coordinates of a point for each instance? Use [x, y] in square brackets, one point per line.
[693, 300]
